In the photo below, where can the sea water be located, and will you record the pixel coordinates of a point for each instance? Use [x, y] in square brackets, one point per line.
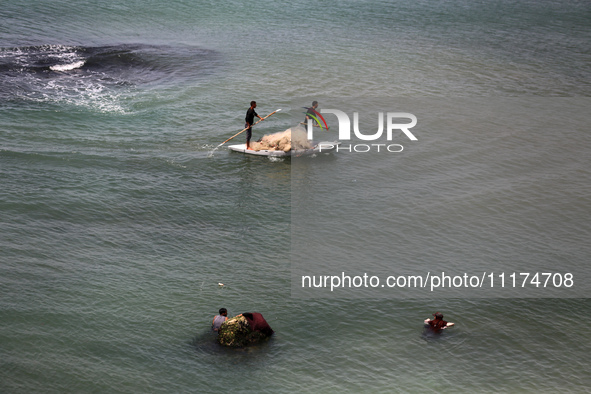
[116, 227]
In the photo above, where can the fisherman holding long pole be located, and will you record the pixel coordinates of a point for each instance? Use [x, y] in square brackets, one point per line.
[249, 119]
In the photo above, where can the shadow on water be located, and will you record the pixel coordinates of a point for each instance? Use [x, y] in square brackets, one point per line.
[449, 335]
[205, 343]
[315, 158]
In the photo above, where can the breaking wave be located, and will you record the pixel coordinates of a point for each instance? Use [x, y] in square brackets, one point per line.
[67, 67]
[98, 77]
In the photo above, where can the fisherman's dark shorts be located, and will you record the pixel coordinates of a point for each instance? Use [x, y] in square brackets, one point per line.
[248, 132]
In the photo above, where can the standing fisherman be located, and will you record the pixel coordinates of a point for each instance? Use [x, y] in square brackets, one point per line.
[250, 114]
[311, 111]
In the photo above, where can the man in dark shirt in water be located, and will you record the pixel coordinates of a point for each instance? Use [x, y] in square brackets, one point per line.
[250, 114]
[311, 111]
[438, 323]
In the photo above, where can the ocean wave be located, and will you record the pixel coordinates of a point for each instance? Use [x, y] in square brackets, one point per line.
[97, 77]
[37, 58]
[67, 67]
[135, 62]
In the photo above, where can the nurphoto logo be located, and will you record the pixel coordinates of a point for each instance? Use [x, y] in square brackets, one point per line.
[393, 123]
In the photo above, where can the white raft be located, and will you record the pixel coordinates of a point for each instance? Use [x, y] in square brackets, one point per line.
[321, 147]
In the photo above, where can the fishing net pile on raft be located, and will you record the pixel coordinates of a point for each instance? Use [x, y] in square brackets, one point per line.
[243, 330]
[294, 138]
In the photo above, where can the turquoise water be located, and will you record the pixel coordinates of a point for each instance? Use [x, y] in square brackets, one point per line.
[116, 227]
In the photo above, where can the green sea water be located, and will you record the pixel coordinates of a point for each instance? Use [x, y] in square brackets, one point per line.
[116, 225]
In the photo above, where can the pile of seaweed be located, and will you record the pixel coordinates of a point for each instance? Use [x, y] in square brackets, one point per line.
[295, 138]
[237, 332]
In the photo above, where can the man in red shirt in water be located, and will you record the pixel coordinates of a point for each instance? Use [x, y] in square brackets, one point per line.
[438, 323]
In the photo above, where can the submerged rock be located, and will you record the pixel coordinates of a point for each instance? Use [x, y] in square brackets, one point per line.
[243, 330]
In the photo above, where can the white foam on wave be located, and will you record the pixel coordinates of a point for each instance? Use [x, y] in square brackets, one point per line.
[55, 82]
[67, 67]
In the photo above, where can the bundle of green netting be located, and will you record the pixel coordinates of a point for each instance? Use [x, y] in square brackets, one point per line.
[237, 332]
